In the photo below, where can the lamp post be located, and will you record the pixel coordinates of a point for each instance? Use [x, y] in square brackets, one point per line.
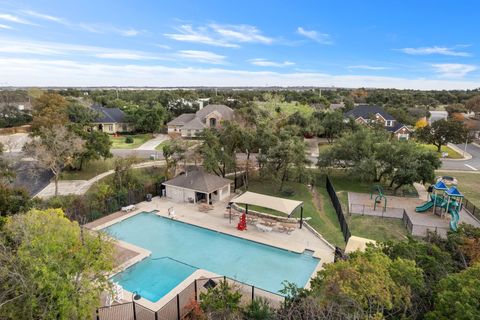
[135, 296]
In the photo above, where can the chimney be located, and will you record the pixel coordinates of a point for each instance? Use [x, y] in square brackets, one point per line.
[200, 105]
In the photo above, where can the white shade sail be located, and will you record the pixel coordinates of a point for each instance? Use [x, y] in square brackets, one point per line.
[286, 206]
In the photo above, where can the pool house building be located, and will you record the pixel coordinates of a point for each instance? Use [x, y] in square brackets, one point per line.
[197, 186]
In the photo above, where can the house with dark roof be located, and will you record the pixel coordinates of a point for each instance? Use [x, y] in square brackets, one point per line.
[191, 124]
[368, 114]
[110, 120]
[196, 185]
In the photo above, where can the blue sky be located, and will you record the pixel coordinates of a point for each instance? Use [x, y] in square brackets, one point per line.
[401, 44]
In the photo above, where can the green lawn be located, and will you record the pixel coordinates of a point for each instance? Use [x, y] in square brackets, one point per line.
[89, 170]
[452, 154]
[160, 146]
[320, 210]
[186, 143]
[138, 140]
[468, 184]
[375, 228]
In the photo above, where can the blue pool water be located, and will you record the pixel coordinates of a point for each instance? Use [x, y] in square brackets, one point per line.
[178, 249]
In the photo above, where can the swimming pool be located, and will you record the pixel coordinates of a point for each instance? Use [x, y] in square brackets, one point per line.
[178, 249]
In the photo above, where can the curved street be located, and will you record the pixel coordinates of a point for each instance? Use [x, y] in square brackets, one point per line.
[465, 165]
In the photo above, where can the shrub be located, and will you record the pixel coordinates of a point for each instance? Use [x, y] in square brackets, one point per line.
[129, 139]
[258, 309]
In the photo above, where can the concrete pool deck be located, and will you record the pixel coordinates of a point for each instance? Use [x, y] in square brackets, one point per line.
[298, 241]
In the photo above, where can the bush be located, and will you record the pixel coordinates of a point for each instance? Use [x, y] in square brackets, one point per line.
[258, 309]
[129, 139]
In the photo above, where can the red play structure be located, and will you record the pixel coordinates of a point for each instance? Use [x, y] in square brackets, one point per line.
[242, 225]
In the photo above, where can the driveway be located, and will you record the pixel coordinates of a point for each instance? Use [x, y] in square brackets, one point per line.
[153, 143]
[464, 165]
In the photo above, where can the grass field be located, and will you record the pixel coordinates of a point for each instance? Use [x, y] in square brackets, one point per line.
[138, 140]
[452, 154]
[468, 184]
[89, 170]
[317, 206]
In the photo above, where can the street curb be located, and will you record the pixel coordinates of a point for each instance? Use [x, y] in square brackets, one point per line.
[467, 155]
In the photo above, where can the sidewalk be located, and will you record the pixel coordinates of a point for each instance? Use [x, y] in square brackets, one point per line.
[422, 192]
[79, 187]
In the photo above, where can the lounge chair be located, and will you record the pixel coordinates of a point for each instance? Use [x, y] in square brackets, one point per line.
[286, 227]
[129, 208]
[263, 228]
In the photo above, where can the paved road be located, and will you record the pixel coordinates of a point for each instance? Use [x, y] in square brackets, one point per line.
[465, 165]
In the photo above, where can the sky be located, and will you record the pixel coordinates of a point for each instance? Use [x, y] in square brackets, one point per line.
[386, 44]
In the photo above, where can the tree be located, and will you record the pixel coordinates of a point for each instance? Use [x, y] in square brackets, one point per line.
[333, 125]
[421, 123]
[458, 296]
[50, 268]
[97, 143]
[55, 149]
[221, 302]
[473, 104]
[147, 118]
[216, 158]
[288, 154]
[455, 108]
[173, 152]
[442, 132]
[49, 110]
[369, 284]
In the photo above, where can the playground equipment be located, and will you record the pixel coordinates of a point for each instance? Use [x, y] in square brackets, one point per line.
[379, 197]
[448, 202]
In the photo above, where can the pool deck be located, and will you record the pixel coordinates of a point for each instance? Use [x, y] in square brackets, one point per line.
[297, 241]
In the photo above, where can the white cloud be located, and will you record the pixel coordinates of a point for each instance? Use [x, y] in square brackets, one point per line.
[104, 29]
[229, 36]
[267, 63]
[64, 49]
[241, 33]
[44, 16]
[39, 72]
[367, 67]
[14, 19]
[202, 56]
[453, 70]
[323, 38]
[424, 51]
[4, 26]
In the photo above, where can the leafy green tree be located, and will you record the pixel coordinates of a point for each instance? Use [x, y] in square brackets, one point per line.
[458, 296]
[147, 118]
[258, 309]
[13, 200]
[50, 268]
[10, 116]
[333, 125]
[221, 302]
[442, 132]
[370, 283]
[287, 155]
[216, 158]
[173, 152]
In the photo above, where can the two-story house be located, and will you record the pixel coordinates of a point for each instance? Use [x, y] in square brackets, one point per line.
[366, 114]
[191, 124]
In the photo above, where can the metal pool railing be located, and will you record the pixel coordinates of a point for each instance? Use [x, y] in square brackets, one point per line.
[184, 302]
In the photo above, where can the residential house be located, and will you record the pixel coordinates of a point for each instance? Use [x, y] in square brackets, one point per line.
[366, 114]
[191, 124]
[196, 185]
[110, 120]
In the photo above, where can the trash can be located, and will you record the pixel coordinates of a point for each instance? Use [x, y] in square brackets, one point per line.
[149, 197]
